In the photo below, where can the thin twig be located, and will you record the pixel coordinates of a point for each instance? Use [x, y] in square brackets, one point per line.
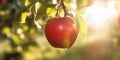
[64, 7]
[59, 5]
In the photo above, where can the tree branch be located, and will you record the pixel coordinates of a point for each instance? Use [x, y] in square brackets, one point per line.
[61, 4]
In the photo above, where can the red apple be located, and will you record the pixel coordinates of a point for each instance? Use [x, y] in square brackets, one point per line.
[2, 2]
[61, 32]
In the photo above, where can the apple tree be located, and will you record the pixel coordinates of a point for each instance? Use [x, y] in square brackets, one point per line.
[46, 29]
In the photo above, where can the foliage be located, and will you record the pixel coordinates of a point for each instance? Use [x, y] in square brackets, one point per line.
[22, 25]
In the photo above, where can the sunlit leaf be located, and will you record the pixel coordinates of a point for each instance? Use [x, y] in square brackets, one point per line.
[81, 11]
[23, 17]
[25, 28]
[51, 12]
[67, 1]
[5, 30]
[61, 13]
[82, 27]
[27, 2]
[71, 5]
[32, 31]
[82, 3]
[16, 39]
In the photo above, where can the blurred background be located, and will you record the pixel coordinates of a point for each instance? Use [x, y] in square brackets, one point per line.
[22, 24]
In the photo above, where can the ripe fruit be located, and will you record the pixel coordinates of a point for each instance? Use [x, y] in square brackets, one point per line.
[2, 2]
[61, 32]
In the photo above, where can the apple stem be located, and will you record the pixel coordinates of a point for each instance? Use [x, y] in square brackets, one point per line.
[61, 4]
[64, 7]
[58, 9]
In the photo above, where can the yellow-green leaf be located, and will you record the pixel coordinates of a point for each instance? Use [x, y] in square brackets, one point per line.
[27, 2]
[5, 30]
[82, 27]
[25, 28]
[23, 17]
[15, 39]
[82, 3]
[51, 12]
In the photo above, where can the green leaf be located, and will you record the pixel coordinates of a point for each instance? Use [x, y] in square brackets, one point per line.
[27, 2]
[25, 28]
[51, 12]
[23, 17]
[6, 30]
[16, 39]
[82, 27]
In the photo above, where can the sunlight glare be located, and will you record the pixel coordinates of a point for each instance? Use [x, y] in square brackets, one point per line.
[54, 1]
[101, 19]
[73, 5]
[99, 15]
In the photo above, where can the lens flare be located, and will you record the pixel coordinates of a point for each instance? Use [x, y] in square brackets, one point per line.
[101, 19]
